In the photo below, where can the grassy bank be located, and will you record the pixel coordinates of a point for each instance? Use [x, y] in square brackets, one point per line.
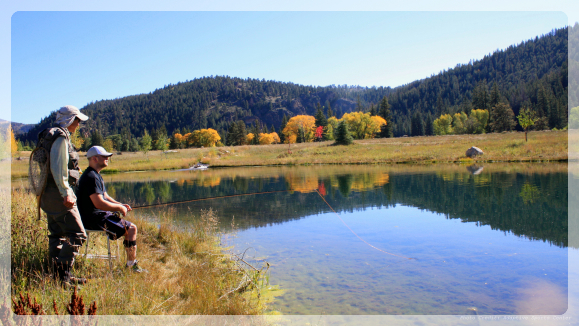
[188, 272]
[502, 147]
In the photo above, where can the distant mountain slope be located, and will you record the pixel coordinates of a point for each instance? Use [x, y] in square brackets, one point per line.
[21, 128]
[533, 73]
[18, 128]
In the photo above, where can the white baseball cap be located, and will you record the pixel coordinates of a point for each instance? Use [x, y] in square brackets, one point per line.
[97, 150]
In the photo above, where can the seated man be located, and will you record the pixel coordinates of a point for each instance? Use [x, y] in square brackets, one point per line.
[99, 211]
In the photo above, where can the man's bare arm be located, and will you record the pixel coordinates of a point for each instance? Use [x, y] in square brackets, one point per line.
[99, 202]
[109, 198]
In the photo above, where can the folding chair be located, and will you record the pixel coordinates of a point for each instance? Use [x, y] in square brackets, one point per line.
[109, 256]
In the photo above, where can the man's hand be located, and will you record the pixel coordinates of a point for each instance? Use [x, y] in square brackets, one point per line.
[127, 207]
[68, 201]
[123, 210]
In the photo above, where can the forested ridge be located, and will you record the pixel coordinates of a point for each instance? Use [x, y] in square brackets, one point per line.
[533, 73]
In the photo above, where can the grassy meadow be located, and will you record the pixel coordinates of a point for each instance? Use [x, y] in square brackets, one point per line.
[497, 147]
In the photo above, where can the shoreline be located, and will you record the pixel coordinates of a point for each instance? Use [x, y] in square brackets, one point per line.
[542, 146]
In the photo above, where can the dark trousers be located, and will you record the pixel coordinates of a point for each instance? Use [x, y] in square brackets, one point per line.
[66, 232]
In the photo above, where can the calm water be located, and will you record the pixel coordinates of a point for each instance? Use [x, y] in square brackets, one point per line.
[387, 239]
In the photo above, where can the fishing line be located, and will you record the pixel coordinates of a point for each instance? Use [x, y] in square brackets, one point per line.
[270, 192]
[324, 199]
[207, 198]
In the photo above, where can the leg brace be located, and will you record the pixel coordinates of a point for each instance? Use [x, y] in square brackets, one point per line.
[129, 244]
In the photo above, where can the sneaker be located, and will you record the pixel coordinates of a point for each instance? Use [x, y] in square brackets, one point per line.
[68, 285]
[77, 280]
[136, 269]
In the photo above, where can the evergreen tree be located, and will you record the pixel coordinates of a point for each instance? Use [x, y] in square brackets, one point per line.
[284, 121]
[554, 115]
[330, 112]
[429, 125]
[542, 106]
[255, 130]
[439, 105]
[96, 139]
[503, 118]
[466, 106]
[480, 98]
[495, 95]
[320, 118]
[359, 107]
[372, 111]
[343, 135]
[174, 143]
[384, 111]
[232, 135]
[87, 143]
[417, 126]
[240, 133]
[236, 134]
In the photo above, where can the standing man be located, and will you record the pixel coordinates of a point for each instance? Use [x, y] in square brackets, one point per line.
[100, 211]
[58, 201]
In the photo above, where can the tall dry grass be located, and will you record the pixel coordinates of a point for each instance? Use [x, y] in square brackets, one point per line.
[188, 272]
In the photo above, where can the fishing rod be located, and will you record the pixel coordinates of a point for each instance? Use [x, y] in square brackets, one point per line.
[206, 198]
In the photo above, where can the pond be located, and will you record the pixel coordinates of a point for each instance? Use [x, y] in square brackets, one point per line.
[385, 239]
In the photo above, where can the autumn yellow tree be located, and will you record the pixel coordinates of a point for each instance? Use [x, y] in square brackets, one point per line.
[186, 138]
[363, 125]
[76, 139]
[305, 122]
[249, 138]
[482, 120]
[108, 145]
[12, 139]
[276, 139]
[443, 125]
[265, 139]
[376, 126]
[331, 128]
[179, 141]
[204, 138]
[459, 123]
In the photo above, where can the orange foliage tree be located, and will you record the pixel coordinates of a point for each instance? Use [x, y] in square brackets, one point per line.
[180, 140]
[306, 122]
[248, 138]
[266, 139]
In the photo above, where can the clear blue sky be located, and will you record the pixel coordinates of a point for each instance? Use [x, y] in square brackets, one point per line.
[60, 58]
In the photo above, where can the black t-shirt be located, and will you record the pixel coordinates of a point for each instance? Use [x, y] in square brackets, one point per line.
[90, 182]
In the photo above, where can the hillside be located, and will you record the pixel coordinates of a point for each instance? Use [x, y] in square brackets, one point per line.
[532, 73]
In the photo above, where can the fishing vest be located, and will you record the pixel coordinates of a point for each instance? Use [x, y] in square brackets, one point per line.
[45, 139]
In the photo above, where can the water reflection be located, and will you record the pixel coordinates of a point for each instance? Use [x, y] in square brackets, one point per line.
[474, 169]
[491, 239]
[526, 203]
